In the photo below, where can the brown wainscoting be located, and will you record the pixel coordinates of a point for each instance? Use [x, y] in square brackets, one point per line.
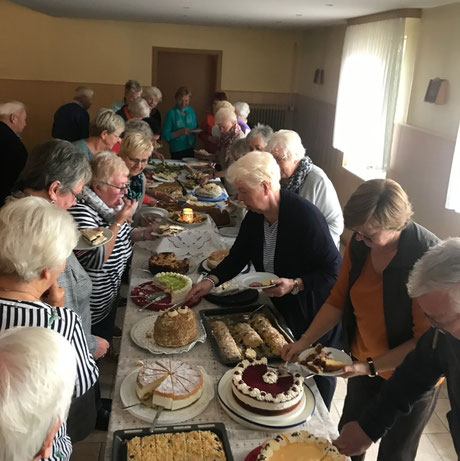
[43, 98]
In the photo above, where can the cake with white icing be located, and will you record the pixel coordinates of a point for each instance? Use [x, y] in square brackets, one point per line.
[264, 390]
[169, 383]
[299, 446]
[177, 285]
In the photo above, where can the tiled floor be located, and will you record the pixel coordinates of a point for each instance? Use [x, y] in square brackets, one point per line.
[435, 444]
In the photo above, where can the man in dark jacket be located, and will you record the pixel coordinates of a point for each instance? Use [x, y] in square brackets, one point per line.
[435, 283]
[12, 151]
[71, 121]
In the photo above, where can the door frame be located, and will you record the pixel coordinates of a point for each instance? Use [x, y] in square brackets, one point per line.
[157, 49]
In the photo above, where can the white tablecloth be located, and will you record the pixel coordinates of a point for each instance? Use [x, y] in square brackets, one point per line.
[195, 244]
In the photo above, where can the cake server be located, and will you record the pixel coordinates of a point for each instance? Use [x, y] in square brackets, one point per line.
[157, 415]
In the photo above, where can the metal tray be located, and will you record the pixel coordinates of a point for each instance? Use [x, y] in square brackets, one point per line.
[119, 452]
[242, 314]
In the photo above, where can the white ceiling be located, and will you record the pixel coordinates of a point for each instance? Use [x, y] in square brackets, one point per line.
[262, 13]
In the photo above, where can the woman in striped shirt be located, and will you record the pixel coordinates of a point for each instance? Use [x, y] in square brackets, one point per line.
[36, 238]
[103, 205]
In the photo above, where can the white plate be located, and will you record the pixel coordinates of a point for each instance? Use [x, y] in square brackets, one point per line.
[189, 159]
[166, 160]
[337, 354]
[257, 277]
[156, 234]
[157, 178]
[139, 331]
[298, 416]
[129, 397]
[83, 244]
[229, 231]
[197, 130]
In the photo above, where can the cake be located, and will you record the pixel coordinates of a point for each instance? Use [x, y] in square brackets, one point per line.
[177, 285]
[299, 446]
[174, 328]
[225, 341]
[169, 229]
[270, 335]
[320, 360]
[210, 190]
[262, 390]
[93, 236]
[247, 335]
[220, 217]
[167, 262]
[216, 257]
[169, 383]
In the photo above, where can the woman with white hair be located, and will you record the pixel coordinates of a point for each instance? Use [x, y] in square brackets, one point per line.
[230, 132]
[36, 238]
[299, 175]
[102, 204]
[283, 234]
[153, 96]
[207, 138]
[133, 90]
[37, 378]
[242, 112]
[105, 131]
[259, 136]
[137, 109]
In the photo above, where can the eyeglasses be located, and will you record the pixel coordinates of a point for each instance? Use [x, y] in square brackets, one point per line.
[76, 196]
[116, 135]
[138, 161]
[280, 159]
[122, 188]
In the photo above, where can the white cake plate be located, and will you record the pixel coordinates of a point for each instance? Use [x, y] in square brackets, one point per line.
[129, 397]
[298, 416]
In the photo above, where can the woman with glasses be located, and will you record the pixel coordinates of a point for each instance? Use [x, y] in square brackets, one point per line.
[103, 204]
[380, 322]
[299, 175]
[104, 132]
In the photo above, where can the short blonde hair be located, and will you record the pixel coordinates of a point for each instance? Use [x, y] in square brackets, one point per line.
[152, 91]
[139, 108]
[34, 235]
[133, 142]
[223, 105]
[105, 164]
[225, 115]
[289, 141]
[106, 119]
[254, 168]
[379, 203]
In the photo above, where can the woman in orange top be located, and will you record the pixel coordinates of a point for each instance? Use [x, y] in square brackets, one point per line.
[380, 322]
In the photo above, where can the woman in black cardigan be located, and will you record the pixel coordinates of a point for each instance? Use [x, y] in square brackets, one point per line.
[305, 258]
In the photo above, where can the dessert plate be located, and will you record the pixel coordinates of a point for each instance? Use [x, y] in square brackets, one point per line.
[298, 416]
[139, 337]
[220, 198]
[229, 231]
[257, 277]
[337, 354]
[157, 178]
[129, 397]
[83, 244]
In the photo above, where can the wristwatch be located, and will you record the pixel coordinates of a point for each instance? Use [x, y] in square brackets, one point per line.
[295, 290]
[372, 371]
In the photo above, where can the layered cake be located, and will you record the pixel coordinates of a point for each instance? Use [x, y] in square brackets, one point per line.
[177, 285]
[169, 383]
[299, 446]
[320, 360]
[263, 390]
[174, 328]
[167, 262]
[216, 257]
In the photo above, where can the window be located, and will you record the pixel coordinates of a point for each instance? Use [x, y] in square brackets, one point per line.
[453, 192]
[368, 94]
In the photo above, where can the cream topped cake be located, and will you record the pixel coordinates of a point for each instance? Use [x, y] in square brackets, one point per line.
[263, 390]
[169, 383]
[177, 285]
[299, 446]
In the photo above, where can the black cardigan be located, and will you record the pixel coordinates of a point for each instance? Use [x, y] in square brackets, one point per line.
[304, 248]
[397, 305]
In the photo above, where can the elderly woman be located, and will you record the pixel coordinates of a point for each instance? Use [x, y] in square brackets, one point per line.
[102, 204]
[380, 322]
[299, 175]
[284, 234]
[133, 90]
[242, 112]
[230, 132]
[136, 109]
[259, 136]
[143, 127]
[153, 96]
[179, 122]
[36, 238]
[207, 138]
[104, 132]
[37, 379]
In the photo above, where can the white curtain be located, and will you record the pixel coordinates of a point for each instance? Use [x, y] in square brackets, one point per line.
[368, 90]
[453, 192]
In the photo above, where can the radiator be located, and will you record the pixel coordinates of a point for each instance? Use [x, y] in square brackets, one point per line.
[274, 116]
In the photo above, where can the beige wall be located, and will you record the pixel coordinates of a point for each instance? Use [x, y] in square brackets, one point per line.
[438, 55]
[110, 52]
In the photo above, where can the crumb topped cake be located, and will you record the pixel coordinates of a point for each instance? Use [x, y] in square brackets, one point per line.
[263, 390]
[299, 446]
[177, 285]
[169, 383]
[168, 262]
[174, 328]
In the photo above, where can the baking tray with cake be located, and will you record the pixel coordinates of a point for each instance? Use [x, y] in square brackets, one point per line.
[246, 332]
[199, 434]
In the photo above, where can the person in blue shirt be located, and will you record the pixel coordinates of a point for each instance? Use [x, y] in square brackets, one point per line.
[178, 124]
